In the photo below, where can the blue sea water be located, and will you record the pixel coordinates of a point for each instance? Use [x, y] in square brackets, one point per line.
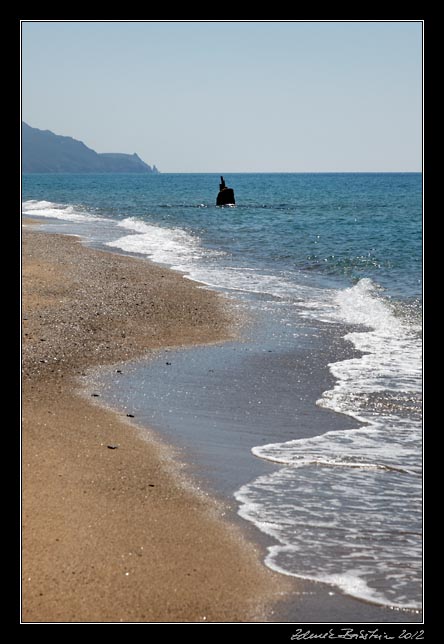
[344, 508]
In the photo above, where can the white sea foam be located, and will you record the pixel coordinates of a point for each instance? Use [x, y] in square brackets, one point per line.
[394, 350]
[391, 443]
[184, 251]
[173, 246]
[390, 367]
[253, 280]
[57, 211]
[351, 583]
[358, 529]
[345, 507]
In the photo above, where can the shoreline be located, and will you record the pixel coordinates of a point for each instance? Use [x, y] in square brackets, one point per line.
[110, 532]
[220, 380]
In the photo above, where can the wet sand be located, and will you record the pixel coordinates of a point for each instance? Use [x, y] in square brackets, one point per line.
[113, 530]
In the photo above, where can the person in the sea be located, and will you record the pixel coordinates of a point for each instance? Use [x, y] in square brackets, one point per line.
[222, 185]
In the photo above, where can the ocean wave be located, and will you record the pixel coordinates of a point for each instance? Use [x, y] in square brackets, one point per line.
[337, 505]
[344, 527]
[53, 210]
[390, 444]
[173, 246]
[391, 348]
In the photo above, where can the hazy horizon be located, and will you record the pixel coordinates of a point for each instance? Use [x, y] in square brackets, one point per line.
[237, 97]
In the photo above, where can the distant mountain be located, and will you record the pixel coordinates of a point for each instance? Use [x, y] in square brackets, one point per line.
[44, 151]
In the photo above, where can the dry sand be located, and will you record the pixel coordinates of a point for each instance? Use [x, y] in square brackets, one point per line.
[111, 530]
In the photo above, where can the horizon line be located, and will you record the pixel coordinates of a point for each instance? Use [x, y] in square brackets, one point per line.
[225, 172]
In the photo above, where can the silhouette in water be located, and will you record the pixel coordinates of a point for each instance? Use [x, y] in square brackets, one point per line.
[226, 195]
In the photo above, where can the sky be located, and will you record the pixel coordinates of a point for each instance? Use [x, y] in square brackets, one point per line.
[231, 96]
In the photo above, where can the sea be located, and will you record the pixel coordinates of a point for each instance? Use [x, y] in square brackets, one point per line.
[330, 267]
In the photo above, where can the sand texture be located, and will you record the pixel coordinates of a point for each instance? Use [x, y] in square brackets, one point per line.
[112, 530]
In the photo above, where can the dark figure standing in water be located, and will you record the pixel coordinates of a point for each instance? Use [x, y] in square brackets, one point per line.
[226, 195]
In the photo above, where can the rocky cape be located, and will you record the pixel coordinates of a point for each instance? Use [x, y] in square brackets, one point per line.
[44, 151]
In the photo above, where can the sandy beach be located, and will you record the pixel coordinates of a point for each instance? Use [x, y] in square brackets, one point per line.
[112, 530]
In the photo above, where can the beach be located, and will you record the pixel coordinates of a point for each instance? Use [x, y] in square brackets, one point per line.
[113, 529]
[165, 411]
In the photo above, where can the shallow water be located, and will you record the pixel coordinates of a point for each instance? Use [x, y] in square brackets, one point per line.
[326, 262]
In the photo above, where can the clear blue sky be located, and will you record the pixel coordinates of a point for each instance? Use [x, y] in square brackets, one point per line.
[232, 96]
